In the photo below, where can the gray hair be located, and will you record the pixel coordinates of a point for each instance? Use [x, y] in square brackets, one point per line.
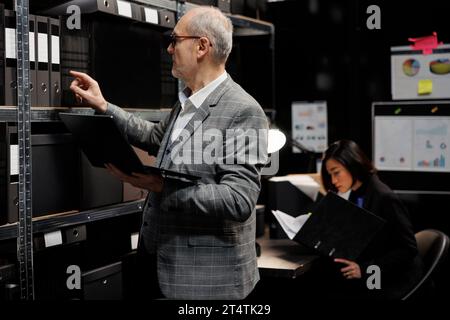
[210, 22]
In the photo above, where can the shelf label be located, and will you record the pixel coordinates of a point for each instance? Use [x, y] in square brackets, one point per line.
[10, 43]
[42, 47]
[134, 240]
[55, 49]
[14, 159]
[124, 8]
[53, 238]
[151, 15]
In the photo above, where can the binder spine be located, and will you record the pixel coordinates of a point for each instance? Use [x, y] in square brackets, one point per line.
[107, 6]
[8, 173]
[10, 59]
[55, 68]
[166, 18]
[33, 66]
[2, 54]
[3, 173]
[43, 96]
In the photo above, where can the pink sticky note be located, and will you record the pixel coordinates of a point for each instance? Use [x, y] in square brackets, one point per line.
[426, 44]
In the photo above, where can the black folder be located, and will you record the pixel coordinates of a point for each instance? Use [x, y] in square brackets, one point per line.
[33, 61]
[54, 62]
[41, 51]
[102, 142]
[337, 228]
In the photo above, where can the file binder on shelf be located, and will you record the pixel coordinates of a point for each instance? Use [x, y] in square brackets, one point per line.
[9, 173]
[128, 10]
[223, 5]
[166, 18]
[10, 58]
[55, 63]
[42, 55]
[33, 64]
[2, 54]
[142, 13]
[74, 56]
[103, 45]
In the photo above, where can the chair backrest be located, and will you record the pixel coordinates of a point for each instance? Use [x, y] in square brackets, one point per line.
[433, 247]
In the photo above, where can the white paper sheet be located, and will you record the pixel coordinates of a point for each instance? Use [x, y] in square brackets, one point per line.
[304, 183]
[291, 225]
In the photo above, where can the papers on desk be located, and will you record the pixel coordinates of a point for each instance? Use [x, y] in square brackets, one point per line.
[304, 183]
[291, 225]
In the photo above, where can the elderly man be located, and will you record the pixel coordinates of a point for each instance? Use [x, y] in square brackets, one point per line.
[199, 236]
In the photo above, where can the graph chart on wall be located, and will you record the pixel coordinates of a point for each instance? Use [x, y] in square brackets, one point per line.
[431, 139]
[412, 144]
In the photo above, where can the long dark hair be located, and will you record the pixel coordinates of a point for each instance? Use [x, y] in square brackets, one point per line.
[350, 155]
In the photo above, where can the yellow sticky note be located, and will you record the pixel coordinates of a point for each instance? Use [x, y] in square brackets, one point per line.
[424, 86]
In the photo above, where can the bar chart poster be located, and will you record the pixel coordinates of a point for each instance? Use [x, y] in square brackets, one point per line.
[309, 125]
[431, 144]
[393, 143]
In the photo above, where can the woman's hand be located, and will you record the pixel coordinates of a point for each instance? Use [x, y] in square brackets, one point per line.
[351, 270]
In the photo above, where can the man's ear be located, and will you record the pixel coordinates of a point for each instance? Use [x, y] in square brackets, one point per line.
[204, 46]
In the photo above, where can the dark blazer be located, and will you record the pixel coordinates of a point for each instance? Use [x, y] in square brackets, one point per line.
[203, 235]
[394, 249]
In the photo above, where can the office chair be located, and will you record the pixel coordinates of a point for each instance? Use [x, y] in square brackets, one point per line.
[433, 248]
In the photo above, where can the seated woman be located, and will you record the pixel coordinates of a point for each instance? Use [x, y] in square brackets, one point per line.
[347, 171]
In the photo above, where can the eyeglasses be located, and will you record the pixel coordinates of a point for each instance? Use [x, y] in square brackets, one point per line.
[172, 39]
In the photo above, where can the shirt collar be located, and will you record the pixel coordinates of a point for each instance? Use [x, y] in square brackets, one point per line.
[200, 96]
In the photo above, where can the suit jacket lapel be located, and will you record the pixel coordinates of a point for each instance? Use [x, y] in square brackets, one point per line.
[199, 117]
[166, 138]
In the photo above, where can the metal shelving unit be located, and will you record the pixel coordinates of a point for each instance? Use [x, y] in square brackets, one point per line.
[54, 222]
[27, 226]
[51, 114]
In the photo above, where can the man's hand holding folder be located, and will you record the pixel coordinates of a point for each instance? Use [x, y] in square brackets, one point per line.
[151, 182]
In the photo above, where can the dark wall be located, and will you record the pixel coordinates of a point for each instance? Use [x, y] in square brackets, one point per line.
[324, 51]
[327, 53]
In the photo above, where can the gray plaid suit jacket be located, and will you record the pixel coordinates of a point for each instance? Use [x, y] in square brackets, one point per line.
[203, 234]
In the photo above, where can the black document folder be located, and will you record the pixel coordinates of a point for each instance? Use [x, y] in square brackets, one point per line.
[103, 142]
[337, 228]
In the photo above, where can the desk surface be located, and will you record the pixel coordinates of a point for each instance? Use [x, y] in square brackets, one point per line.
[284, 258]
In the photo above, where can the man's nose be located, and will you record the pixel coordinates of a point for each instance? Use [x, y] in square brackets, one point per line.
[170, 49]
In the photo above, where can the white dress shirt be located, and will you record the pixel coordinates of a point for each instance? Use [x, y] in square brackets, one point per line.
[196, 100]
